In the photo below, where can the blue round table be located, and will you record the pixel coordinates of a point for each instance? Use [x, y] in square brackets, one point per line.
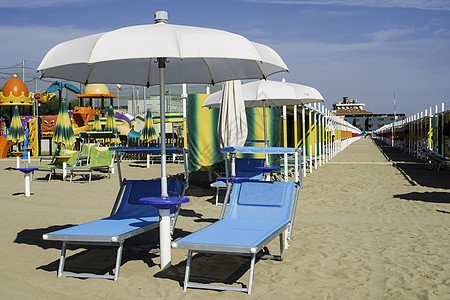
[26, 172]
[164, 204]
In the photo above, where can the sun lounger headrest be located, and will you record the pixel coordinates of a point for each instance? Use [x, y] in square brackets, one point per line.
[263, 194]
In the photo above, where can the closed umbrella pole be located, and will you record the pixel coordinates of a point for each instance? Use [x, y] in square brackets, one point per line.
[232, 124]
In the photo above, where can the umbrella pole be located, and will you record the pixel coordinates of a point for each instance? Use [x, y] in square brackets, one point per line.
[164, 226]
[162, 107]
[265, 132]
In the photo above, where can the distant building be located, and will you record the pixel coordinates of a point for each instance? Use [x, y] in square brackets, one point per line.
[354, 113]
[347, 106]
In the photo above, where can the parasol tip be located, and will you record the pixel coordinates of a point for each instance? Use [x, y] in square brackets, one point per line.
[161, 16]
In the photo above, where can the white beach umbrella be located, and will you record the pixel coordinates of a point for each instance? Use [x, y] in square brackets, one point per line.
[268, 93]
[160, 54]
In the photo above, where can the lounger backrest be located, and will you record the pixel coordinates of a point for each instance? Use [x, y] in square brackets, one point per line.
[136, 189]
[101, 156]
[261, 200]
[73, 159]
[246, 167]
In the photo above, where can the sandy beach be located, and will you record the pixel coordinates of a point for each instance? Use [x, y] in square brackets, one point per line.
[373, 223]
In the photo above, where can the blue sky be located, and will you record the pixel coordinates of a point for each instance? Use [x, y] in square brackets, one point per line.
[364, 49]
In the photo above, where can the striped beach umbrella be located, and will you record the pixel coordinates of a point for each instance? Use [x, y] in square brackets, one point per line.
[96, 126]
[63, 135]
[111, 125]
[16, 134]
[148, 132]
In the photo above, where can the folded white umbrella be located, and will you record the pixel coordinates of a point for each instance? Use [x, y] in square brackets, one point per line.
[160, 54]
[232, 124]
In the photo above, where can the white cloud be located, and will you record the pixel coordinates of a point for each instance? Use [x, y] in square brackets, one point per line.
[416, 4]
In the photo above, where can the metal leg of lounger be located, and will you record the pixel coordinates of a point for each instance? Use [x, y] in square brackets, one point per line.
[118, 261]
[62, 259]
[283, 244]
[252, 268]
[217, 196]
[291, 226]
[225, 201]
[186, 274]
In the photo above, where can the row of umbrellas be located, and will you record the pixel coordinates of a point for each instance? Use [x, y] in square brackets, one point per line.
[148, 132]
[63, 135]
[160, 54]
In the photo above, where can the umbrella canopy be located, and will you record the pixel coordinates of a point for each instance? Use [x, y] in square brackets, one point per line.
[111, 125]
[270, 93]
[148, 132]
[63, 135]
[16, 134]
[128, 56]
[96, 126]
[232, 124]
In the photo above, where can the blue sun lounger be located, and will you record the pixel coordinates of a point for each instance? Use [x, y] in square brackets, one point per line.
[128, 218]
[245, 170]
[259, 211]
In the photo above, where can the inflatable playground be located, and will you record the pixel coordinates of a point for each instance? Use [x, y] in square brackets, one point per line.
[39, 129]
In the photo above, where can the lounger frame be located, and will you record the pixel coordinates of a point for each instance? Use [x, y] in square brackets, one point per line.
[283, 232]
[109, 240]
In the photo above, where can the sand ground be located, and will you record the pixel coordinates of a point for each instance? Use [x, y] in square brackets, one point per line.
[373, 223]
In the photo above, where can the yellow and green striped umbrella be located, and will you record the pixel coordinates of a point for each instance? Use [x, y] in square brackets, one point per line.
[111, 125]
[16, 134]
[63, 135]
[148, 132]
[97, 126]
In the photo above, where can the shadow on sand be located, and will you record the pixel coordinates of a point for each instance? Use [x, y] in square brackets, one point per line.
[95, 259]
[415, 171]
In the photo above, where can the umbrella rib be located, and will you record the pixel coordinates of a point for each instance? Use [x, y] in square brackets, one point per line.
[209, 71]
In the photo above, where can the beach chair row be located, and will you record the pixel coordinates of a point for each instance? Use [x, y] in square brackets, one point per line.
[87, 161]
[436, 160]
